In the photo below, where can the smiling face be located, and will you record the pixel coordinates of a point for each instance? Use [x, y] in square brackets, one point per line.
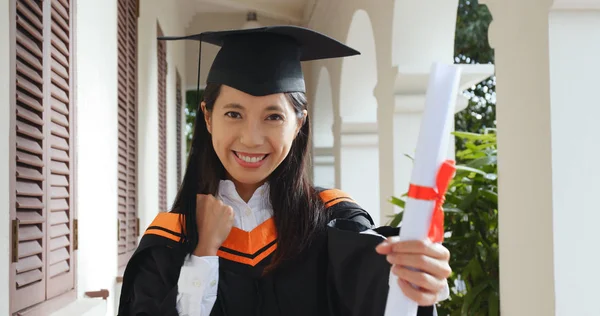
[251, 135]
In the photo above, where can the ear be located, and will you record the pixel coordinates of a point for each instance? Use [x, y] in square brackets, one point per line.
[301, 121]
[207, 117]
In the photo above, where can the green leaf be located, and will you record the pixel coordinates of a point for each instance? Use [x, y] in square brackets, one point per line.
[476, 305]
[468, 200]
[453, 210]
[398, 202]
[475, 272]
[489, 130]
[469, 169]
[483, 161]
[489, 195]
[471, 297]
[493, 304]
[397, 220]
[474, 136]
[453, 199]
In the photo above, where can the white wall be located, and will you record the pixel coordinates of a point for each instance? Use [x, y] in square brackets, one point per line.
[5, 118]
[166, 14]
[322, 127]
[96, 58]
[423, 32]
[322, 110]
[406, 130]
[360, 172]
[574, 66]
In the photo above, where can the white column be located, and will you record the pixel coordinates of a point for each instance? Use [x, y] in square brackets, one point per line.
[359, 165]
[384, 92]
[322, 117]
[6, 80]
[96, 148]
[337, 150]
[547, 68]
[324, 167]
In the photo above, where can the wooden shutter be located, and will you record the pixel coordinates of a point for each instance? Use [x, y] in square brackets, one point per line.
[60, 176]
[162, 123]
[178, 112]
[42, 253]
[28, 285]
[127, 103]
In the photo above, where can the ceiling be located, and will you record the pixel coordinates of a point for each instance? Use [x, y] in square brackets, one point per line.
[291, 11]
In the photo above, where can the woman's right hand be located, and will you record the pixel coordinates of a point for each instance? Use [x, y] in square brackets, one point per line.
[214, 221]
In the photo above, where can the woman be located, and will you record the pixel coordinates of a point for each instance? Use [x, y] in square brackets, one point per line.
[248, 233]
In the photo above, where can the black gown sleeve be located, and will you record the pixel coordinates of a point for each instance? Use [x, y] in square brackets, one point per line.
[357, 275]
[150, 284]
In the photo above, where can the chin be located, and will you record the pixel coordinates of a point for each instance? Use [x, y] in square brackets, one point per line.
[248, 178]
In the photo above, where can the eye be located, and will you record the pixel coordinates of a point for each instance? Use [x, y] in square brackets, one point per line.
[275, 117]
[234, 115]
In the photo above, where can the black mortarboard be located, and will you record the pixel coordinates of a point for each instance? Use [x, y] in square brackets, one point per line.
[266, 60]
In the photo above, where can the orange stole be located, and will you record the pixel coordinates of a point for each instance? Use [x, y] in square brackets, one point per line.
[250, 247]
[332, 197]
[167, 225]
[240, 246]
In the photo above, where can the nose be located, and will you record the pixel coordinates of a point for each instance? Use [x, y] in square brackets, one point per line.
[252, 135]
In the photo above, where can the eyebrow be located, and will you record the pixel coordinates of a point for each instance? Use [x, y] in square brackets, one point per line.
[274, 108]
[234, 106]
[238, 106]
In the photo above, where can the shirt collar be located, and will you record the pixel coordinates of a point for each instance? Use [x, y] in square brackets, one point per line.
[228, 193]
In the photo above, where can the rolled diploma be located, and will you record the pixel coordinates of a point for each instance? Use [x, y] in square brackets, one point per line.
[431, 152]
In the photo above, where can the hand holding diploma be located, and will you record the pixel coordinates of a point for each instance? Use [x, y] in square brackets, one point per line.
[420, 262]
[431, 259]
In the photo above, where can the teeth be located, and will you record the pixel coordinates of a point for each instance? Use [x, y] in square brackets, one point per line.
[251, 159]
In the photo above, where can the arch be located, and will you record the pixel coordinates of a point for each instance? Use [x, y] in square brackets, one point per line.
[359, 73]
[358, 138]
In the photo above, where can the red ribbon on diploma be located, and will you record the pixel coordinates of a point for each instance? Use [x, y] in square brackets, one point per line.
[437, 194]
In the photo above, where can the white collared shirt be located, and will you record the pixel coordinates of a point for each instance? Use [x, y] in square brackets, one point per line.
[199, 277]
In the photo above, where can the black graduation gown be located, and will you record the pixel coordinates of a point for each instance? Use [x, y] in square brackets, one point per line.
[339, 274]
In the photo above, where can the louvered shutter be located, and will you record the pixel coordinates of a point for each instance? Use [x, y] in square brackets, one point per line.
[127, 147]
[60, 154]
[28, 284]
[43, 213]
[178, 110]
[162, 123]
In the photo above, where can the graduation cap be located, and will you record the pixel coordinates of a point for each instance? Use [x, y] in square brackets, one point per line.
[265, 60]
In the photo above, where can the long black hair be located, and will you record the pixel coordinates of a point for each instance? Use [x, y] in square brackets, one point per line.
[298, 211]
